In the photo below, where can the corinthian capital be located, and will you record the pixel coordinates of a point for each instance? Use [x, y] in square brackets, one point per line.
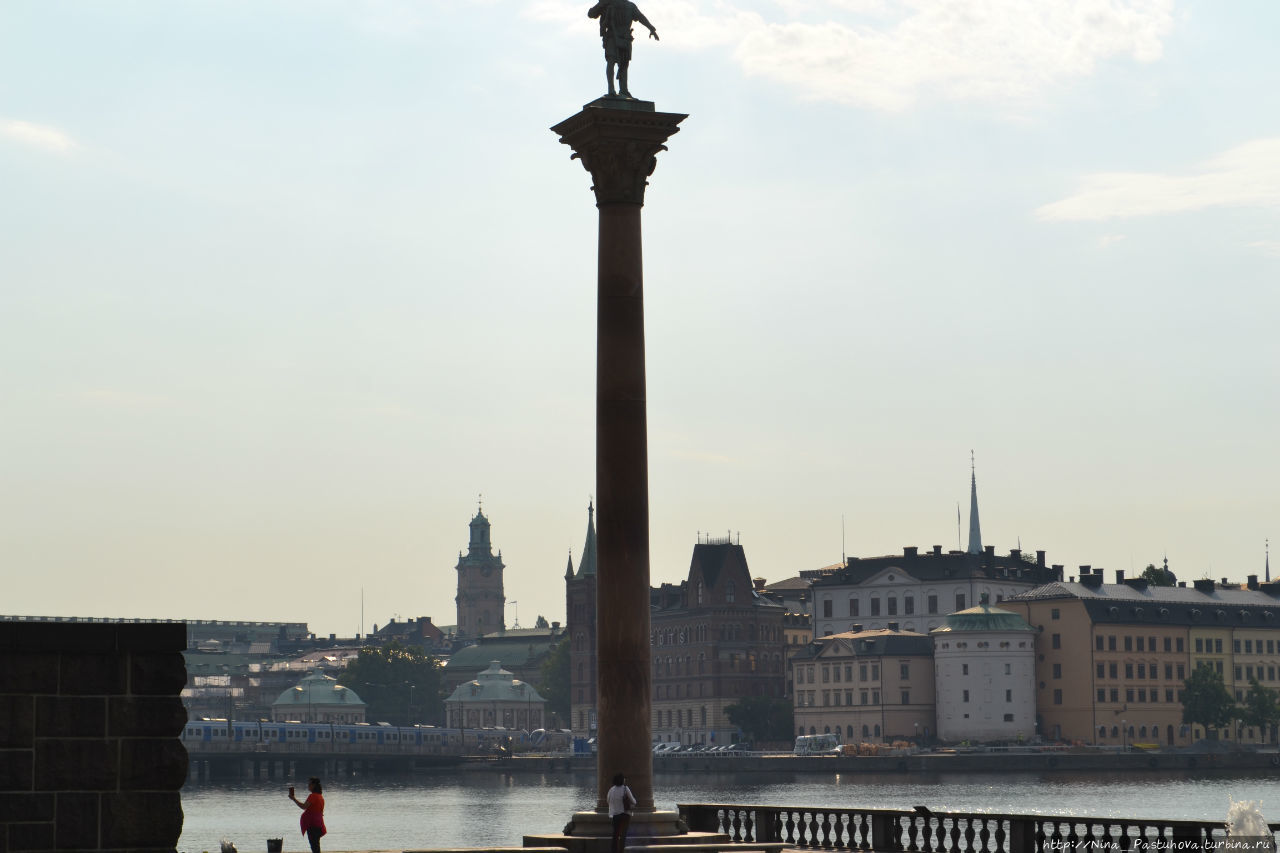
[618, 146]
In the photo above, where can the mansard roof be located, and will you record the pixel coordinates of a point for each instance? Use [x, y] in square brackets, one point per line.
[874, 643]
[1211, 605]
[937, 565]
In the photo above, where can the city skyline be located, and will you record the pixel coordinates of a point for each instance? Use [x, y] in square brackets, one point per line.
[284, 288]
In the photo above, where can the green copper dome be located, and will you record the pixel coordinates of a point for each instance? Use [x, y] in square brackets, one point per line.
[318, 689]
[982, 619]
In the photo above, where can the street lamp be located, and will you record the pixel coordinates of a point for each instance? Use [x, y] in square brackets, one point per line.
[408, 711]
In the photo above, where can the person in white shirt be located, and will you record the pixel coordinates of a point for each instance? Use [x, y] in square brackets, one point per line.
[621, 801]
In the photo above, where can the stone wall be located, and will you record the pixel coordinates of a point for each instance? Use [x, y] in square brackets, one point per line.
[90, 721]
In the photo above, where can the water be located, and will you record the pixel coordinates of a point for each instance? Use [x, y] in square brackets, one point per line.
[476, 808]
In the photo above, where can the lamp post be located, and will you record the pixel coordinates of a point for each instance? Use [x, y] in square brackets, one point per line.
[1124, 736]
[408, 711]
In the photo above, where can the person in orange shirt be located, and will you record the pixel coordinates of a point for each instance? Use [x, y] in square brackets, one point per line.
[312, 820]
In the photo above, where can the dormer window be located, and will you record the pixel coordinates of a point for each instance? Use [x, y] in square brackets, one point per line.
[699, 592]
[729, 592]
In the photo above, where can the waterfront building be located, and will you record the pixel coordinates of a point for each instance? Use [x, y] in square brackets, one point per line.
[420, 632]
[1112, 658]
[480, 599]
[870, 686]
[521, 651]
[495, 698]
[918, 590]
[797, 632]
[318, 699]
[984, 672]
[580, 613]
[716, 638]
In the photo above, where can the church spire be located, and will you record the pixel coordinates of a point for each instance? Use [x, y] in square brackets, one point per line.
[568, 570]
[1268, 561]
[587, 566]
[975, 530]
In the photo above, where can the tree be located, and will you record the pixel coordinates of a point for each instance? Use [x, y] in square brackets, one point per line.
[762, 718]
[553, 682]
[399, 684]
[1205, 700]
[1260, 708]
[1157, 576]
[542, 622]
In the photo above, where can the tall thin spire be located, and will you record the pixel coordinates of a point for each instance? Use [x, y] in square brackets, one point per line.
[1268, 561]
[975, 530]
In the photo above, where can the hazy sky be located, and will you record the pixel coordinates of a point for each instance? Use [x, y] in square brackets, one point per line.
[284, 285]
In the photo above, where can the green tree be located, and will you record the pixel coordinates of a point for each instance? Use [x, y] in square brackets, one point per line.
[400, 684]
[553, 684]
[1259, 707]
[762, 718]
[1205, 700]
[1156, 576]
[542, 622]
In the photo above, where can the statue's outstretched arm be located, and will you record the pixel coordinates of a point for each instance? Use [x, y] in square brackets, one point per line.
[653, 32]
[594, 11]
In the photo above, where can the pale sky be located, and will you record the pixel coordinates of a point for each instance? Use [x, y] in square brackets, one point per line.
[285, 285]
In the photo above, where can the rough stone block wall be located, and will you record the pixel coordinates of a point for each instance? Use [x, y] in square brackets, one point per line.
[90, 725]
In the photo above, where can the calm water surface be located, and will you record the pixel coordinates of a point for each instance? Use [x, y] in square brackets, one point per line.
[474, 808]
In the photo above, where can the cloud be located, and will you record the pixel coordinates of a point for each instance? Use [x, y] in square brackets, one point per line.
[36, 135]
[1109, 240]
[1270, 248]
[1245, 176]
[890, 54]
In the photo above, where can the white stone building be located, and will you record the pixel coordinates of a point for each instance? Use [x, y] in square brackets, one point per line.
[984, 664]
[318, 699]
[495, 699]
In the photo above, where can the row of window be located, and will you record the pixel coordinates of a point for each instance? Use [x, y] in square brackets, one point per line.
[1136, 694]
[891, 605]
[1151, 671]
[1145, 644]
[805, 674]
[731, 633]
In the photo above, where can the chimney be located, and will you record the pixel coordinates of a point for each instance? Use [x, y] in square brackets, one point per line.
[1015, 553]
[1224, 583]
[1253, 581]
[1040, 559]
[1182, 584]
[1119, 575]
[1088, 579]
[909, 551]
[1085, 571]
[555, 626]
[1203, 585]
[937, 550]
[759, 582]
[893, 626]
[857, 629]
[990, 550]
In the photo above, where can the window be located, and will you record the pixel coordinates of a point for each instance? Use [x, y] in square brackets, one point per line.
[904, 672]
[1128, 670]
[966, 696]
[1168, 644]
[1057, 670]
[1057, 696]
[906, 697]
[853, 607]
[1111, 642]
[1102, 695]
[1097, 642]
[1235, 646]
[862, 699]
[1168, 671]
[1178, 644]
[1008, 718]
[875, 672]
[1217, 647]
[960, 601]
[893, 605]
[1199, 644]
[1054, 613]
[908, 604]
[1140, 644]
[875, 605]
[1102, 670]
[1008, 695]
[826, 608]
[729, 593]
[1056, 641]
[1142, 669]
[964, 669]
[875, 697]
[1115, 694]
[1128, 644]
[932, 604]
[862, 673]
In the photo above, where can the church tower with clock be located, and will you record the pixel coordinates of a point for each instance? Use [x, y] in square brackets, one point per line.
[481, 603]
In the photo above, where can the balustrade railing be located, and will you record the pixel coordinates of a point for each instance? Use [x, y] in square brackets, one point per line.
[924, 831]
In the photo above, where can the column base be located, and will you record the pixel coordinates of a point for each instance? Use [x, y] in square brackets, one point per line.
[592, 832]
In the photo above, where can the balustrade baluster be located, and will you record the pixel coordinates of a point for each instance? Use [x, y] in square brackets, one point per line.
[859, 826]
[789, 830]
[913, 833]
[968, 833]
[984, 833]
[735, 830]
[749, 826]
[955, 834]
[1001, 837]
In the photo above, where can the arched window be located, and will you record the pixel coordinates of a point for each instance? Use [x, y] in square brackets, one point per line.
[865, 731]
[812, 730]
[699, 593]
[826, 730]
[729, 592]
[877, 732]
[848, 732]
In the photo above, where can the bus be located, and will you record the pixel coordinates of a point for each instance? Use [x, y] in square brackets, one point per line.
[817, 745]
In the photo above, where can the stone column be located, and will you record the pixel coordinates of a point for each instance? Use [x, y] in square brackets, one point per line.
[617, 141]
